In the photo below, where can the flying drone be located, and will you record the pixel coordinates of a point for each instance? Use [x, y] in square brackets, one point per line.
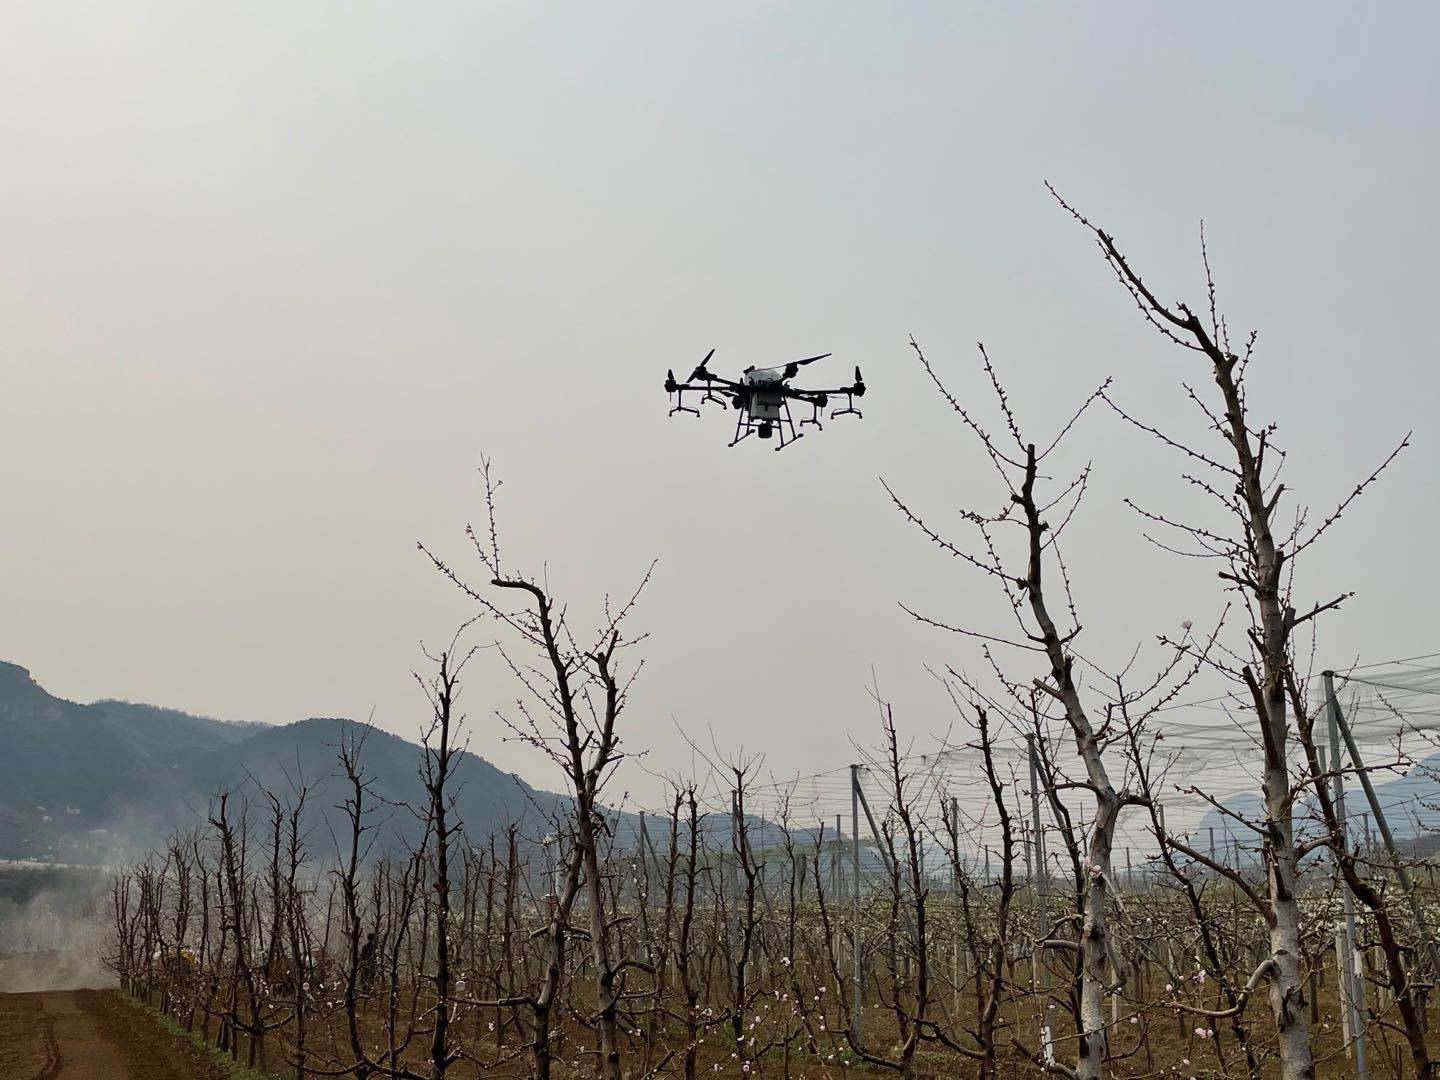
[762, 397]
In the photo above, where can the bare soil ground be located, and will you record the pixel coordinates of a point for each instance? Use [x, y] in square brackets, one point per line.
[106, 1035]
[93, 1035]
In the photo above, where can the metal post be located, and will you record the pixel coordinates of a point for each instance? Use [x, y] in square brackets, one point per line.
[1350, 983]
[1040, 869]
[645, 862]
[1160, 813]
[1028, 847]
[552, 862]
[856, 1014]
[955, 819]
[1038, 882]
[1114, 973]
[1337, 719]
[730, 883]
[954, 824]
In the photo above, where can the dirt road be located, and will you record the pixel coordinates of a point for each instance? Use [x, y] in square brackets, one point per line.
[92, 1035]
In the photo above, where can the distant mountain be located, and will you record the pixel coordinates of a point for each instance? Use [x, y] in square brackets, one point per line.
[102, 782]
[1410, 802]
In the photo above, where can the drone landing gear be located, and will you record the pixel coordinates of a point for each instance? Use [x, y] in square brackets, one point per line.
[815, 419]
[680, 405]
[746, 425]
[784, 442]
[849, 409]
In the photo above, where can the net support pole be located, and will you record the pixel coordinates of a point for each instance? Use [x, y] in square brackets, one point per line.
[1337, 720]
[857, 945]
[1039, 869]
[955, 891]
[1351, 987]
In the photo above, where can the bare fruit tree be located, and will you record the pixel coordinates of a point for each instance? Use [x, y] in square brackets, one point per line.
[1257, 552]
[573, 696]
[1040, 628]
[441, 754]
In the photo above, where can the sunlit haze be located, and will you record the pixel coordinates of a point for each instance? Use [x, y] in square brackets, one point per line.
[277, 276]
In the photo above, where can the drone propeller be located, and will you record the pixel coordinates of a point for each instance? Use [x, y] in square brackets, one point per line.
[793, 368]
[859, 382]
[700, 372]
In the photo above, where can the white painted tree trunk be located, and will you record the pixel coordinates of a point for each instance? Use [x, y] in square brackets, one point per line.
[1094, 937]
[1095, 944]
[1287, 987]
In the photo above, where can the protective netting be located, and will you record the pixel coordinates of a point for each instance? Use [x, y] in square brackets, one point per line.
[1208, 753]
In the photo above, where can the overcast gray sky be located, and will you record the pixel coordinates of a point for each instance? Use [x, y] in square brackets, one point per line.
[275, 276]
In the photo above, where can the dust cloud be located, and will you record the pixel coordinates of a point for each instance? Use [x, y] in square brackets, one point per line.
[52, 927]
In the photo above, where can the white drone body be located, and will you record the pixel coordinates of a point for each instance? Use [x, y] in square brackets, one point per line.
[764, 402]
[762, 397]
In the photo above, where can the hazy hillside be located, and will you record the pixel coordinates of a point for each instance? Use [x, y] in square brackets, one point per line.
[86, 783]
[1408, 802]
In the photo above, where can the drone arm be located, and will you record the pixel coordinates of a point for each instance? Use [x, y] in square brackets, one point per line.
[713, 380]
[717, 386]
[821, 398]
[856, 389]
[810, 395]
